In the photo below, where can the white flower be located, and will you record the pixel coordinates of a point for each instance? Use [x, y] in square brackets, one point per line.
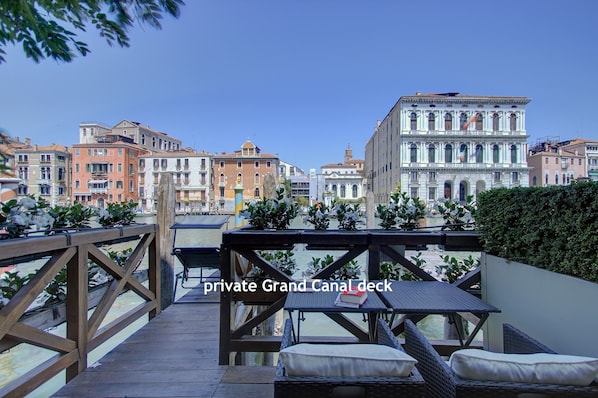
[27, 203]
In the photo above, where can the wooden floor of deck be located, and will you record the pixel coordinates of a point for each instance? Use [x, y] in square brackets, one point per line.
[174, 355]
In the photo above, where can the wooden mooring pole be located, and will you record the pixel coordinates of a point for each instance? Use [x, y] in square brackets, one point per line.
[165, 218]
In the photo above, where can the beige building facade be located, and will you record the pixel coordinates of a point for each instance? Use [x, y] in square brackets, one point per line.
[249, 167]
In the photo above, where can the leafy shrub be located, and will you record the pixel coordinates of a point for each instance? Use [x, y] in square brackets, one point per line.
[552, 228]
[276, 213]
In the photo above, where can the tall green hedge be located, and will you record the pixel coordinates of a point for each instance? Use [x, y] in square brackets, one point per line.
[555, 228]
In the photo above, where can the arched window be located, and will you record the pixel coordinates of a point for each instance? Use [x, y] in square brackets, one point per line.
[556, 179]
[448, 153]
[448, 122]
[343, 191]
[495, 122]
[479, 154]
[431, 153]
[240, 178]
[462, 121]
[256, 178]
[221, 179]
[479, 122]
[546, 179]
[354, 191]
[495, 154]
[413, 119]
[534, 181]
[334, 190]
[448, 190]
[463, 153]
[513, 122]
[513, 154]
[431, 122]
[256, 192]
[413, 153]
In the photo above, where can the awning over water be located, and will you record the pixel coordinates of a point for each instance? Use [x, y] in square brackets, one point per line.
[201, 222]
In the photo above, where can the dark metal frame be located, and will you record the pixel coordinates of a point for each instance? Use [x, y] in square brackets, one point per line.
[441, 382]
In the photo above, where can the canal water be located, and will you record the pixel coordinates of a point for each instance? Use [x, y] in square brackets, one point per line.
[23, 358]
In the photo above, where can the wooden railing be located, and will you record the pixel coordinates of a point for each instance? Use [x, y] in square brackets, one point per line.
[84, 332]
[244, 245]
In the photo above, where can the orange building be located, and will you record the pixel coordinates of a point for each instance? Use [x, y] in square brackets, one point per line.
[106, 171]
[249, 166]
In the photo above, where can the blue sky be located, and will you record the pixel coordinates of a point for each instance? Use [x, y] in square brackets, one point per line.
[305, 79]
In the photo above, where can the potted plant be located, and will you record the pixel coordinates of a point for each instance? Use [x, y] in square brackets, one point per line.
[318, 215]
[348, 215]
[271, 213]
[402, 211]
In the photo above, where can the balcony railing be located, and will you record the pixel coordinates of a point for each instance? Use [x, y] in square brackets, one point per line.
[83, 333]
[377, 244]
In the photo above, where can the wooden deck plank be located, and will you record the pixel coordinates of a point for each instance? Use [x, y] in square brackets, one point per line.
[174, 355]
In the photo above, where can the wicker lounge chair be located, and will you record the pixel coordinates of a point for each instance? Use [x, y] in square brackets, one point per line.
[442, 382]
[286, 386]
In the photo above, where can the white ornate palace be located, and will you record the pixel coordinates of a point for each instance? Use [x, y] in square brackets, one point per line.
[439, 146]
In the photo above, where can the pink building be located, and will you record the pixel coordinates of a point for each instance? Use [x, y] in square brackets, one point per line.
[553, 164]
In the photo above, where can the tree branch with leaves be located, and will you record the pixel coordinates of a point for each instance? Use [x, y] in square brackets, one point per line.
[48, 28]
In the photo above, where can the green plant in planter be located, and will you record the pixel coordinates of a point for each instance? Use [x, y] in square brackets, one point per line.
[348, 215]
[282, 259]
[458, 216]
[19, 217]
[122, 213]
[10, 284]
[75, 216]
[454, 269]
[274, 213]
[394, 271]
[402, 211]
[350, 270]
[318, 215]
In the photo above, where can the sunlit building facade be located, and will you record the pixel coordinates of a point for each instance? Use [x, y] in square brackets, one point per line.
[448, 146]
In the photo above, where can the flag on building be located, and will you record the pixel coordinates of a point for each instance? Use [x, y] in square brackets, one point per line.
[473, 119]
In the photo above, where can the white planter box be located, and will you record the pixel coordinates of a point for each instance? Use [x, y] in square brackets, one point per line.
[558, 310]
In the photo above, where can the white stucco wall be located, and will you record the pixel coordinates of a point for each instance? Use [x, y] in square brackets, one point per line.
[558, 310]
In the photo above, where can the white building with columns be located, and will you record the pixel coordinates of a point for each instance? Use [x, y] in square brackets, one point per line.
[441, 146]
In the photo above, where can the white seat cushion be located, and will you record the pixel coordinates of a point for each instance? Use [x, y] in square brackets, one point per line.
[524, 368]
[346, 360]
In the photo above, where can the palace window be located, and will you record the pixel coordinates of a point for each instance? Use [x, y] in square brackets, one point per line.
[462, 121]
[413, 153]
[513, 154]
[448, 122]
[343, 191]
[463, 153]
[431, 153]
[413, 120]
[479, 154]
[495, 122]
[431, 122]
[256, 193]
[432, 193]
[479, 122]
[513, 122]
[354, 191]
[495, 154]
[448, 153]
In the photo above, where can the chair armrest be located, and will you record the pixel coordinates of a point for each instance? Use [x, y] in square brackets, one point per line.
[517, 342]
[439, 378]
[287, 335]
[386, 337]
